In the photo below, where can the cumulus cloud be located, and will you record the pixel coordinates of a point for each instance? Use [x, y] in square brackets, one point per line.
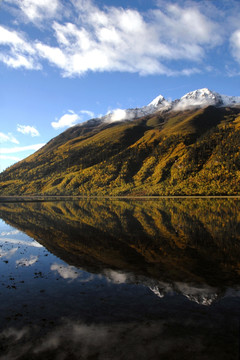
[27, 261]
[71, 119]
[16, 51]
[65, 271]
[108, 40]
[112, 39]
[8, 138]
[116, 115]
[26, 129]
[116, 277]
[66, 120]
[21, 148]
[37, 10]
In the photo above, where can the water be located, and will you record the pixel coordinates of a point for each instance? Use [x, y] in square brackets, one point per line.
[117, 279]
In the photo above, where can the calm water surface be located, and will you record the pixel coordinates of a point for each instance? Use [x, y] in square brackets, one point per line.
[117, 279]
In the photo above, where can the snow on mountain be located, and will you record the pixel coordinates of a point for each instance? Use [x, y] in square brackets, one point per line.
[204, 97]
[204, 295]
[158, 104]
[159, 100]
[194, 99]
[198, 98]
[230, 100]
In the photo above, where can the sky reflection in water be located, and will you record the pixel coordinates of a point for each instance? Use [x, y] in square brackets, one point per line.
[68, 295]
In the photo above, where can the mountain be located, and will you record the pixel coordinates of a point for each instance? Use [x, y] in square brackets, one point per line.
[195, 99]
[188, 146]
[172, 246]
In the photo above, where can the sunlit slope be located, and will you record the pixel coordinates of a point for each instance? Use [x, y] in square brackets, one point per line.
[185, 152]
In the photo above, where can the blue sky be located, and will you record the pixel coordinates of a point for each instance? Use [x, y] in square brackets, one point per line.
[65, 61]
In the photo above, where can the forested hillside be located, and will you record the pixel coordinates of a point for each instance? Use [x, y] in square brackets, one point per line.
[192, 152]
[189, 240]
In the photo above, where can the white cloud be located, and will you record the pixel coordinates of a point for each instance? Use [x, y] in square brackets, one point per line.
[235, 44]
[26, 129]
[109, 40]
[116, 115]
[16, 51]
[7, 157]
[9, 253]
[188, 26]
[66, 272]
[37, 10]
[27, 262]
[7, 233]
[20, 148]
[66, 120]
[18, 61]
[116, 276]
[35, 244]
[8, 138]
[53, 54]
[90, 114]
[165, 40]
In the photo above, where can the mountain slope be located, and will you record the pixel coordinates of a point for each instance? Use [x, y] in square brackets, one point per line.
[174, 149]
[195, 241]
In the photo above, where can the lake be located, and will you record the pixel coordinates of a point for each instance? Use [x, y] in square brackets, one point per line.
[120, 279]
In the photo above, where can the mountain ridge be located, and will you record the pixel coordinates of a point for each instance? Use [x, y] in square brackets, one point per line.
[194, 99]
[190, 148]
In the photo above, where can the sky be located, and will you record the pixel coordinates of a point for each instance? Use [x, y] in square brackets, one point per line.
[63, 62]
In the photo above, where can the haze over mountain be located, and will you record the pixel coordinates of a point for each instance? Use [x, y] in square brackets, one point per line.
[187, 146]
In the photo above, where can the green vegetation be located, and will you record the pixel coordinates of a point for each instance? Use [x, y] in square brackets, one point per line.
[177, 153]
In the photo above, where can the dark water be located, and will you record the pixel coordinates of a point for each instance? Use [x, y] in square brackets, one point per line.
[149, 279]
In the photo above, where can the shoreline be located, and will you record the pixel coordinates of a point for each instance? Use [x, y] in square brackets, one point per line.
[41, 198]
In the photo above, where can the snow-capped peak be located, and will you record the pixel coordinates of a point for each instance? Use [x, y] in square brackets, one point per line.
[158, 100]
[194, 99]
[204, 295]
[158, 104]
[201, 94]
[198, 98]
[204, 97]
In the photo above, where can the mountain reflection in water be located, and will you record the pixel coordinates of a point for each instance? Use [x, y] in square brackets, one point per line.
[160, 272]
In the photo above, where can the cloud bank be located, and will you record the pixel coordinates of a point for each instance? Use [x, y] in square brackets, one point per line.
[78, 36]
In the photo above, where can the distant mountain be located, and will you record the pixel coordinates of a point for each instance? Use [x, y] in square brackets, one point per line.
[195, 99]
[188, 146]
